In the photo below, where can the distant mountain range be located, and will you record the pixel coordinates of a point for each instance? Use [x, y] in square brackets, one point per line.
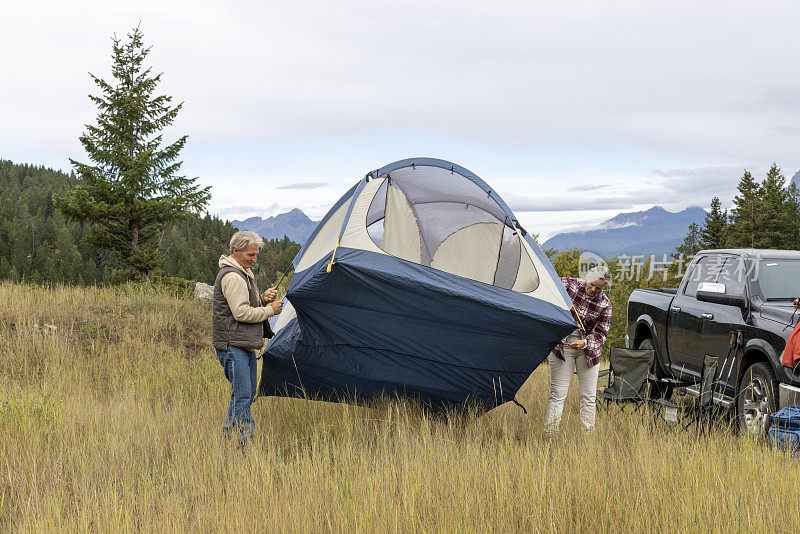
[654, 231]
[295, 225]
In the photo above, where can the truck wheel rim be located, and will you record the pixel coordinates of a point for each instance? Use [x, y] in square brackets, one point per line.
[756, 405]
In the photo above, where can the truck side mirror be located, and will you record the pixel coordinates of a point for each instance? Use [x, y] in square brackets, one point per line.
[711, 287]
[740, 301]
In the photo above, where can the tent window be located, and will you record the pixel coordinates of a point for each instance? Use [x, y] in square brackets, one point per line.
[375, 231]
[400, 229]
[508, 264]
[377, 208]
[527, 276]
[443, 220]
[471, 252]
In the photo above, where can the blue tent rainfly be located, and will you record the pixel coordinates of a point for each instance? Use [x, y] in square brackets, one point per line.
[419, 282]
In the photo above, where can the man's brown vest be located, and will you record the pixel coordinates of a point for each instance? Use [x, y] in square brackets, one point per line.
[225, 329]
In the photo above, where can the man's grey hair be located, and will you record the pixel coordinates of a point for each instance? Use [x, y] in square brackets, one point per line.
[240, 240]
[601, 272]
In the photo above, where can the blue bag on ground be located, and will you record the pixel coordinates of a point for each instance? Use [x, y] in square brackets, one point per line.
[785, 430]
[787, 418]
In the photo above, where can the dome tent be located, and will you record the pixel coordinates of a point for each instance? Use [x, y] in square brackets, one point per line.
[419, 281]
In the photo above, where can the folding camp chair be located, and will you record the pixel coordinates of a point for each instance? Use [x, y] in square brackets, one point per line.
[704, 407]
[661, 389]
[663, 408]
[628, 377]
[734, 351]
[704, 404]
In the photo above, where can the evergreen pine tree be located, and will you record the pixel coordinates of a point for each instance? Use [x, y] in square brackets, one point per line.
[772, 212]
[742, 231]
[132, 192]
[691, 243]
[793, 216]
[712, 234]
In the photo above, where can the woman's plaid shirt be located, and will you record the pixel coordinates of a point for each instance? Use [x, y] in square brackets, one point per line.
[595, 313]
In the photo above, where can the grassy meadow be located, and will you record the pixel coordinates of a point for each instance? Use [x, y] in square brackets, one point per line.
[111, 423]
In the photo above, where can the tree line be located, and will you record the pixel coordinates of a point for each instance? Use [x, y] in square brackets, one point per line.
[765, 214]
[39, 244]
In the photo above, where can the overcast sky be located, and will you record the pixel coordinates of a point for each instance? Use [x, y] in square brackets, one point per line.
[572, 111]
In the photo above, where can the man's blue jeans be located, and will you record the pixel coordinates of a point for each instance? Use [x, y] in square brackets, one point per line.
[241, 371]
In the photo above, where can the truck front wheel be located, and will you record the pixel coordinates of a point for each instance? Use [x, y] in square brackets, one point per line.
[756, 399]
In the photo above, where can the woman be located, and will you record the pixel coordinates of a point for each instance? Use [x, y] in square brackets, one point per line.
[580, 350]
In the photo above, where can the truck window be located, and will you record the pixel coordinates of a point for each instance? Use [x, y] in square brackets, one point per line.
[733, 275]
[702, 272]
[778, 279]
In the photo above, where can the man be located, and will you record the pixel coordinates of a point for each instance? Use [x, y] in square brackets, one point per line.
[580, 350]
[237, 329]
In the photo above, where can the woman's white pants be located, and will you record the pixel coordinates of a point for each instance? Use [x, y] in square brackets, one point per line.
[560, 375]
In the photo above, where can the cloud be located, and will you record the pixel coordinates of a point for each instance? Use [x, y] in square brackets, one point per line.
[784, 131]
[301, 186]
[617, 94]
[617, 77]
[704, 173]
[611, 225]
[672, 188]
[566, 203]
[589, 187]
[698, 185]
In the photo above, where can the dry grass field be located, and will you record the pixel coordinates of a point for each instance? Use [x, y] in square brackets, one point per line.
[111, 423]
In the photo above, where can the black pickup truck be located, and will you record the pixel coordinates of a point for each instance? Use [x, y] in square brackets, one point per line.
[726, 291]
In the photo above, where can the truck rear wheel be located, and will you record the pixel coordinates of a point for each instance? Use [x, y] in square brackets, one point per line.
[757, 399]
[658, 391]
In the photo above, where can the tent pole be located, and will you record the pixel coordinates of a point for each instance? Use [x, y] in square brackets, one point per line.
[580, 322]
[333, 256]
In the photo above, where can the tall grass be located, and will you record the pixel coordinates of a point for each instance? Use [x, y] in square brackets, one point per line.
[112, 423]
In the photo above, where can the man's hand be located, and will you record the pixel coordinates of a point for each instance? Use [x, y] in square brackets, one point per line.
[277, 306]
[578, 344]
[270, 295]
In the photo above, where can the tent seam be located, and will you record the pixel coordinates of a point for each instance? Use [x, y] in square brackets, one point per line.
[418, 358]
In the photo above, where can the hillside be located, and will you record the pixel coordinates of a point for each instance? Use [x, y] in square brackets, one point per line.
[654, 231]
[112, 423]
[38, 244]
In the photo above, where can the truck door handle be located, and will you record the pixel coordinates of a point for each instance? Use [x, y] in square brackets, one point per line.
[707, 315]
[676, 309]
